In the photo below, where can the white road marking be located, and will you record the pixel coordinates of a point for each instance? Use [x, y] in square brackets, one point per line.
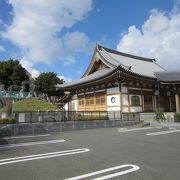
[42, 156]
[23, 137]
[132, 169]
[162, 132]
[32, 143]
[137, 129]
[120, 129]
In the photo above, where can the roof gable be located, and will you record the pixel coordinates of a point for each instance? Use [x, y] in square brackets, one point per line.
[135, 64]
[97, 63]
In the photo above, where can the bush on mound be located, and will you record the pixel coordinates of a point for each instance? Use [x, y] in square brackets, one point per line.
[32, 105]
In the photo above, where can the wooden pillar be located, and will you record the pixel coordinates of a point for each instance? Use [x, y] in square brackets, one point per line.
[142, 98]
[120, 96]
[77, 103]
[128, 100]
[177, 102]
[94, 101]
[158, 104]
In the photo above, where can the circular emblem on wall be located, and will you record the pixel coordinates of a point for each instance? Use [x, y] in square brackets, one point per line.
[113, 99]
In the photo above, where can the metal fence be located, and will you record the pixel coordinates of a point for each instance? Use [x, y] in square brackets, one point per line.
[62, 116]
[15, 94]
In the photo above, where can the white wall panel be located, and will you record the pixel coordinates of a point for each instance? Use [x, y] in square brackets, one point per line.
[74, 97]
[125, 99]
[113, 108]
[113, 90]
[124, 89]
[66, 107]
[136, 109]
[110, 99]
[75, 105]
[125, 109]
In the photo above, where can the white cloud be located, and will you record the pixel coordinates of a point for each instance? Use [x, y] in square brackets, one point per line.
[75, 42]
[2, 49]
[69, 60]
[159, 37]
[66, 79]
[37, 25]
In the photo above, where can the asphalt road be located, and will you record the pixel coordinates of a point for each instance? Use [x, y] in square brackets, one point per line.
[110, 153]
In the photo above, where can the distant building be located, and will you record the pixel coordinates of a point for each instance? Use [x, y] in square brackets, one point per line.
[116, 81]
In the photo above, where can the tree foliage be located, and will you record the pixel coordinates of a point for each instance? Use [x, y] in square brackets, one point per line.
[12, 74]
[46, 82]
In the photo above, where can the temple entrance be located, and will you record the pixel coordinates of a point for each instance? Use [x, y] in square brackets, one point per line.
[148, 103]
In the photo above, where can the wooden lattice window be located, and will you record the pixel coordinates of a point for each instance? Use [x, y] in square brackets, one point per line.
[81, 102]
[135, 101]
[100, 100]
[89, 101]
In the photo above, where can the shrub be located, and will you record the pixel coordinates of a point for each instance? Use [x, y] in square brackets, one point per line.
[8, 121]
[80, 117]
[177, 117]
[159, 115]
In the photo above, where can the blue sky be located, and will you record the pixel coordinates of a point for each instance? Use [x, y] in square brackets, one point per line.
[60, 35]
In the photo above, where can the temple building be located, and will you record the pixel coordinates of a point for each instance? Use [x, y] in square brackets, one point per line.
[116, 81]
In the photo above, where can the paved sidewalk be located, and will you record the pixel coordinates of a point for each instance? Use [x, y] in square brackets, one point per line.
[168, 125]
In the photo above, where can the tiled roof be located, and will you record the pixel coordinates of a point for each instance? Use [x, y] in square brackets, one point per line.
[168, 75]
[114, 59]
[136, 64]
[92, 77]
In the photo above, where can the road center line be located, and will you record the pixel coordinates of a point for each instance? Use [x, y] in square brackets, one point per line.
[137, 129]
[132, 169]
[32, 143]
[162, 132]
[23, 137]
[42, 156]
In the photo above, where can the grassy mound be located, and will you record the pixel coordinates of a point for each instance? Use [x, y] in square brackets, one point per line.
[32, 105]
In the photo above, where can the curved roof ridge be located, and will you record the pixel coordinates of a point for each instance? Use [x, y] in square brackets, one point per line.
[126, 54]
[112, 58]
[155, 62]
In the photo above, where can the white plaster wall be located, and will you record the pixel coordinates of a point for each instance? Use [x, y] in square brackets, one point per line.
[124, 89]
[113, 108]
[135, 88]
[113, 90]
[80, 94]
[101, 90]
[91, 92]
[117, 100]
[125, 99]
[136, 109]
[75, 102]
[74, 96]
[66, 107]
[125, 109]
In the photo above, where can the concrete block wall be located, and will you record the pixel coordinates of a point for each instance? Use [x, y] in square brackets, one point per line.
[43, 128]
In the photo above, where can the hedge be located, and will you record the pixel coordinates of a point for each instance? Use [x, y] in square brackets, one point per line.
[88, 117]
[177, 117]
[8, 121]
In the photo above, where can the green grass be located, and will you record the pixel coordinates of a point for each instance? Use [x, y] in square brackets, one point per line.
[32, 105]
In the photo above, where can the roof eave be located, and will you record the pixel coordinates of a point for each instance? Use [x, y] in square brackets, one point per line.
[88, 82]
